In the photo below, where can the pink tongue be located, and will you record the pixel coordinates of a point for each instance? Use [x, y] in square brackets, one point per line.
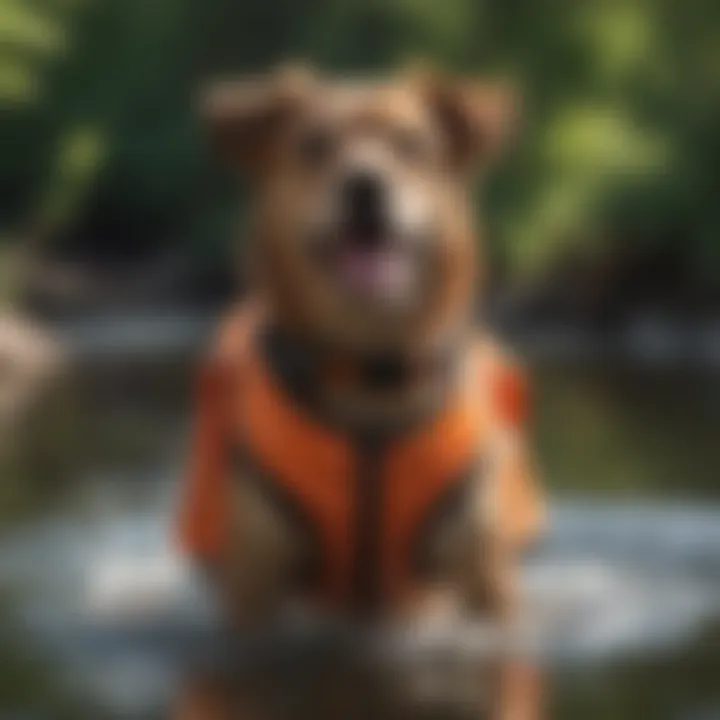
[380, 271]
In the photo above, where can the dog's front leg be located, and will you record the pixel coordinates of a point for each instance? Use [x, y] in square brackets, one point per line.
[489, 582]
[254, 580]
[487, 560]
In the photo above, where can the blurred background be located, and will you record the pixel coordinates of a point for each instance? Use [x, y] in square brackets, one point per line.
[118, 246]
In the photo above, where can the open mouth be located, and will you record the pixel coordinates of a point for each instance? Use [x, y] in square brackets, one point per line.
[377, 269]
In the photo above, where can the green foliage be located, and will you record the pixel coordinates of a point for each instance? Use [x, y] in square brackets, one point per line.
[621, 137]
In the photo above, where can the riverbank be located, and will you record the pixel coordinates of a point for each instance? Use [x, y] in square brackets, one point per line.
[653, 340]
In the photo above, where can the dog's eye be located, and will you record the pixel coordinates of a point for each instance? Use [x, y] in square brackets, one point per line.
[410, 145]
[315, 147]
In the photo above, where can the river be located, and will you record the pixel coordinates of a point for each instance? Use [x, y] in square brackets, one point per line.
[624, 592]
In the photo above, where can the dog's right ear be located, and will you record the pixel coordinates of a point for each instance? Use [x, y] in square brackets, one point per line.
[243, 116]
[479, 118]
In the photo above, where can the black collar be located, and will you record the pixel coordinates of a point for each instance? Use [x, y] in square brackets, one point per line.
[300, 367]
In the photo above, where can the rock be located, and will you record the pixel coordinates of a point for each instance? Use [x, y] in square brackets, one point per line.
[31, 362]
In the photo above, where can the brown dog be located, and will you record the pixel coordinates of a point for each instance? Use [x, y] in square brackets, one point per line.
[357, 443]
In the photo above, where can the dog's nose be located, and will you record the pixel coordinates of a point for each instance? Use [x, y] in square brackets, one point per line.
[364, 207]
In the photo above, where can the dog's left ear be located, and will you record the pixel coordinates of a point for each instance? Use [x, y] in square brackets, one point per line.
[478, 118]
[243, 116]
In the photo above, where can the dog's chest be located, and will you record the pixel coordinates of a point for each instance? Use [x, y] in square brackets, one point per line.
[360, 532]
[351, 514]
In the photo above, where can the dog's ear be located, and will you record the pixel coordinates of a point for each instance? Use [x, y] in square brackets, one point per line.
[243, 116]
[478, 118]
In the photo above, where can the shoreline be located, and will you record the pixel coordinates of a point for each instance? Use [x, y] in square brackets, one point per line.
[658, 342]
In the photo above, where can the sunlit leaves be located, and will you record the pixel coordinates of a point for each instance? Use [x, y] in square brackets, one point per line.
[600, 140]
[622, 100]
[31, 36]
[80, 156]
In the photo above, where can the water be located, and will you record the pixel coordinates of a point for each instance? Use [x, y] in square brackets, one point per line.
[624, 595]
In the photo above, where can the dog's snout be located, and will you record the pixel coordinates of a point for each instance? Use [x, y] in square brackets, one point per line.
[365, 206]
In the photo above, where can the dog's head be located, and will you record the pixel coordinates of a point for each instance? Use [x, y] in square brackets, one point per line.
[362, 221]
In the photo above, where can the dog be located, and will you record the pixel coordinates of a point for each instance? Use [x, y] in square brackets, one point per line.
[359, 443]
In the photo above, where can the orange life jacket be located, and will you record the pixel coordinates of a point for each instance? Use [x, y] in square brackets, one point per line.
[366, 503]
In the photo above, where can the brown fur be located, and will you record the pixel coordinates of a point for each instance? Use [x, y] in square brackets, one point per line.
[257, 126]
[453, 128]
[459, 125]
